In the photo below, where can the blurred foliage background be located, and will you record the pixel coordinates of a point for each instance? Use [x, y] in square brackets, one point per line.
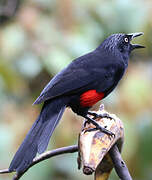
[40, 37]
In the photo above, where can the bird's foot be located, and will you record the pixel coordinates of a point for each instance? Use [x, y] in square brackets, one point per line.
[91, 129]
[85, 123]
[104, 115]
[98, 127]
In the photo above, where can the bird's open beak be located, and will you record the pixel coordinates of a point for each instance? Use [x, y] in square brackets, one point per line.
[133, 35]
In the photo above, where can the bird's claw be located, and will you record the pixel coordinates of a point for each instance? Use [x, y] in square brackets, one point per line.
[85, 123]
[102, 129]
[106, 131]
[97, 126]
[104, 115]
[90, 130]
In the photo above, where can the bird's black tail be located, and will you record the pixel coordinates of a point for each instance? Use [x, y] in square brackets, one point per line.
[39, 135]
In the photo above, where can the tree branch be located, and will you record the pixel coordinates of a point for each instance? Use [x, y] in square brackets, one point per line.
[42, 157]
[119, 164]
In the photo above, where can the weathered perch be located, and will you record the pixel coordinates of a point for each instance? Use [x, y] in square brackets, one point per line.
[94, 147]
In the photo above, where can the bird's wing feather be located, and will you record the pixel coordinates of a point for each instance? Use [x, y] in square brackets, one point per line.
[63, 83]
[78, 77]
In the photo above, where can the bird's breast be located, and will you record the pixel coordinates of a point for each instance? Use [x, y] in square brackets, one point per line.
[90, 97]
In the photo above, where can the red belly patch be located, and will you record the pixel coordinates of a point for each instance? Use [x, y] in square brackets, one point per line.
[91, 97]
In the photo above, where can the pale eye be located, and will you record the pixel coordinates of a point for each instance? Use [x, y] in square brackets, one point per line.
[126, 40]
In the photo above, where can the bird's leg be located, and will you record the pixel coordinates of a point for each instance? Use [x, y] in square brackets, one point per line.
[102, 129]
[104, 115]
[87, 121]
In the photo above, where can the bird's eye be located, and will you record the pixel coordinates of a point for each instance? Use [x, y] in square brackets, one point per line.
[126, 40]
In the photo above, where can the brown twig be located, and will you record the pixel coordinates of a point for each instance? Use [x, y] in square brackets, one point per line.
[119, 164]
[4, 171]
[42, 157]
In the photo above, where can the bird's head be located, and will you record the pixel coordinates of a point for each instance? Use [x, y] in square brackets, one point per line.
[121, 43]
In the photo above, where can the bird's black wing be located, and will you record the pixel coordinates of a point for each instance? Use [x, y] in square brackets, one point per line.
[63, 83]
[80, 75]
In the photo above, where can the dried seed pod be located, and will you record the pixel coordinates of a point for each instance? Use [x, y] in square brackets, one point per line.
[94, 145]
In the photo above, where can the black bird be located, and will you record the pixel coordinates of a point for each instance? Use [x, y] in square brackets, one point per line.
[83, 83]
